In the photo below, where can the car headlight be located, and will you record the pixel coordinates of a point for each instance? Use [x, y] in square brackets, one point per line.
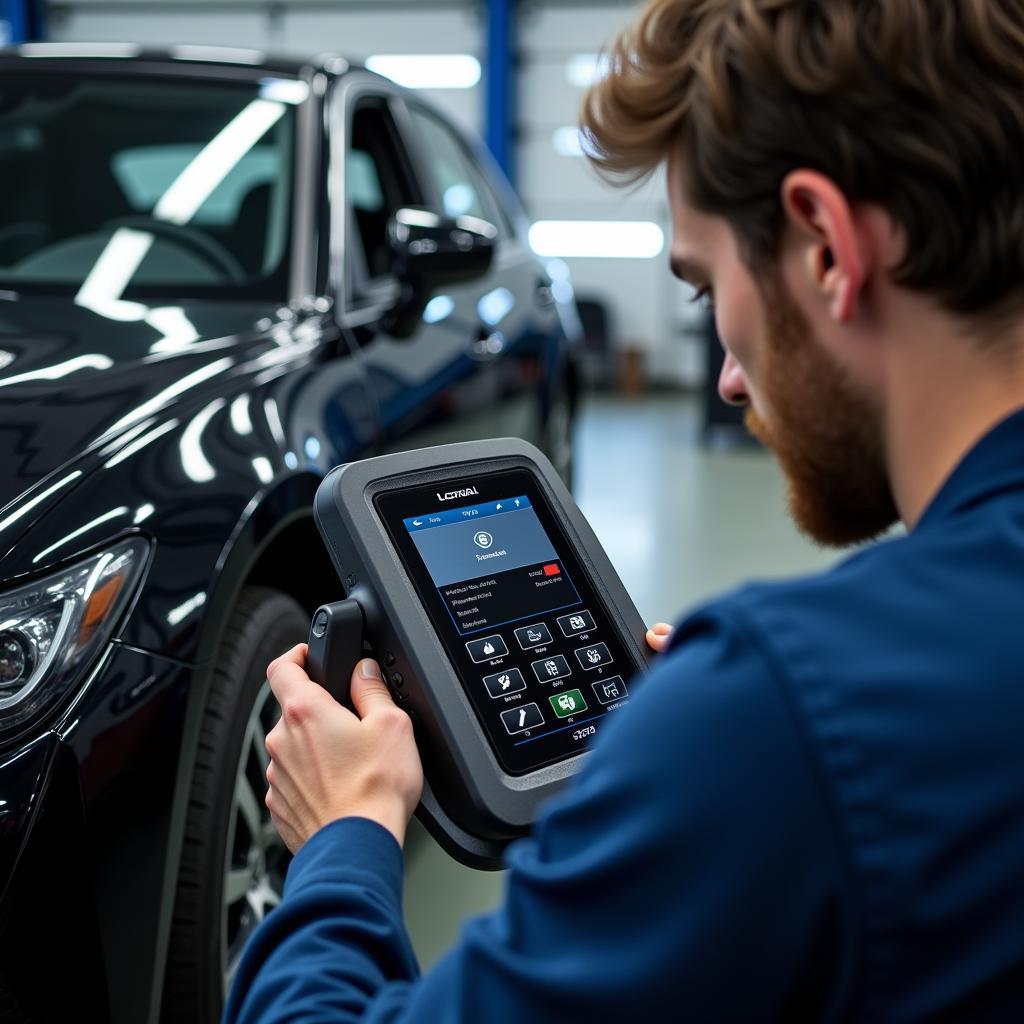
[52, 629]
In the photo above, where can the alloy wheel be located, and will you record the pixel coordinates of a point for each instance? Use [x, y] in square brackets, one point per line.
[256, 857]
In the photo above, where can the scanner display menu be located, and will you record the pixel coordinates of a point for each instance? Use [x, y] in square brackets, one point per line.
[531, 642]
[492, 563]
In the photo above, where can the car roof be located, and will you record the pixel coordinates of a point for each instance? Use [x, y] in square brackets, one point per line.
[204, 59]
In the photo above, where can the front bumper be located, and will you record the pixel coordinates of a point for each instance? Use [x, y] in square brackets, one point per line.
[86, 848]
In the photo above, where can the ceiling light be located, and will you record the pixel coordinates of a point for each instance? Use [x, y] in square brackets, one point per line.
[608, 239]
[79, 50]
[427, 71]
[218, 54]
[586, 69]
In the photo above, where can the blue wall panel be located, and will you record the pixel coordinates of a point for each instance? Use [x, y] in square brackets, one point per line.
[500, 84]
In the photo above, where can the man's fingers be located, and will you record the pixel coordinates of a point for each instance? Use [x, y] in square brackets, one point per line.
[368, 689]
[289, 681]
[658, 636]
[297, 655]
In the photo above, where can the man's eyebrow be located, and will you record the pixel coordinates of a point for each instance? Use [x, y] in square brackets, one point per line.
[687, 269]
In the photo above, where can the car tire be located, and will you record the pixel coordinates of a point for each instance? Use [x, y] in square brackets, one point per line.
[232, 862]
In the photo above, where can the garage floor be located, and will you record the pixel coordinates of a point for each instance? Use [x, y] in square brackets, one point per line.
[680, 522]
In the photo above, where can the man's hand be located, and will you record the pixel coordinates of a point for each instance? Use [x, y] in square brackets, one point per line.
[659, 635]
[327, 763]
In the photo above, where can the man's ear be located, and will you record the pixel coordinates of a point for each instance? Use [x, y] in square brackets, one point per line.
[833, 260]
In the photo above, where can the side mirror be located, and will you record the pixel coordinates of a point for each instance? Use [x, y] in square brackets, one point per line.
[431, 252]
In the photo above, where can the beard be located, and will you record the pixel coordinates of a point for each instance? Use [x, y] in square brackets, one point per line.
[825, 432]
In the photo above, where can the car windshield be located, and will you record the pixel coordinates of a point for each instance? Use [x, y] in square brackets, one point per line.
[127, 188]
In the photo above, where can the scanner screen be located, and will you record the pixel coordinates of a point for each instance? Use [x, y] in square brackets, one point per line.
[535, 650]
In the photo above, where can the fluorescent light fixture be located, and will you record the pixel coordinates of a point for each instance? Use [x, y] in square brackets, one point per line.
[215, 161]
[87, 362]
[605, 239]
[566, 141]
[586, 69]
[219, 54]
[439, 308]
[284, 90]
[79, 50]
[570, 141]
[427, 70]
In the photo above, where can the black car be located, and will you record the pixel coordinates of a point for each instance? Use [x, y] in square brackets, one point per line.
[218, 281]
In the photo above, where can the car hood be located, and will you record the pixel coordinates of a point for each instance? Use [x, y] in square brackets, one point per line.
[73, 381]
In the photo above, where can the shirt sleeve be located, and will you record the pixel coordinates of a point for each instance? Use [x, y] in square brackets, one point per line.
[693, 868]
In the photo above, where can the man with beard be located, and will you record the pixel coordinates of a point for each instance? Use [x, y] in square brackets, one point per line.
[813, 809]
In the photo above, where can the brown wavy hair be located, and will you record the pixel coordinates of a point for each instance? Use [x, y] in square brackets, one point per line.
[916, 105]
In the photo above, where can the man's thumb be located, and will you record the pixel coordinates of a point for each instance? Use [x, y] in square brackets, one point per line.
[368, 689]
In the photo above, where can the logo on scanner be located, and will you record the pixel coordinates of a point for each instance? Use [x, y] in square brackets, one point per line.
[464, 493]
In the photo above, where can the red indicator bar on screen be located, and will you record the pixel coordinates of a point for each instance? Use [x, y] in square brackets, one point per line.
[551, 569]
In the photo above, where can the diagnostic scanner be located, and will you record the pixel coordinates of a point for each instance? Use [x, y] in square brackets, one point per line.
[497, 618]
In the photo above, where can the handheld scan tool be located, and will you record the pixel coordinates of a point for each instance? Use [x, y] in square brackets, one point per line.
[500, 625]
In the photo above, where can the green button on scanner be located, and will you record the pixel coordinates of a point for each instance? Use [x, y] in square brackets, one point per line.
[570, 702]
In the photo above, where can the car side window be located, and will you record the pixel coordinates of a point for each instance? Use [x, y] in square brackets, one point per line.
[378, 183]
[459, 183]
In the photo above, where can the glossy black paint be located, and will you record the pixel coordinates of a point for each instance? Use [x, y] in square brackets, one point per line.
[212, 449]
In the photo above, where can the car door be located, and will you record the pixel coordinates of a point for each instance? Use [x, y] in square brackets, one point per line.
[432, 387]
[509, 311]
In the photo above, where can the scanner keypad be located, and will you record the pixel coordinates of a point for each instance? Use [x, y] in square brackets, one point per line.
[540, 671]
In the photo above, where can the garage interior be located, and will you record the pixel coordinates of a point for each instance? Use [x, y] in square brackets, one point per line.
[684, 503]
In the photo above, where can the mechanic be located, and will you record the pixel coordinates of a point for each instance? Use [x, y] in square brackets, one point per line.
[813, 809]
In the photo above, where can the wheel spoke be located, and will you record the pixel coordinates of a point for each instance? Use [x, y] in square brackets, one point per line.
[233, 953]
[269, 835]
[256, 904]
[250, 898]
[232, 970]
[259, 746]
[264, 897]
[248, 805]
[236, 885]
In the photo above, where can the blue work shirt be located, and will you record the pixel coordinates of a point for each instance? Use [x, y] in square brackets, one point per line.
[811, 810]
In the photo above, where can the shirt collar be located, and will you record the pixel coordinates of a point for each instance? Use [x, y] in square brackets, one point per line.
[995, 464]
